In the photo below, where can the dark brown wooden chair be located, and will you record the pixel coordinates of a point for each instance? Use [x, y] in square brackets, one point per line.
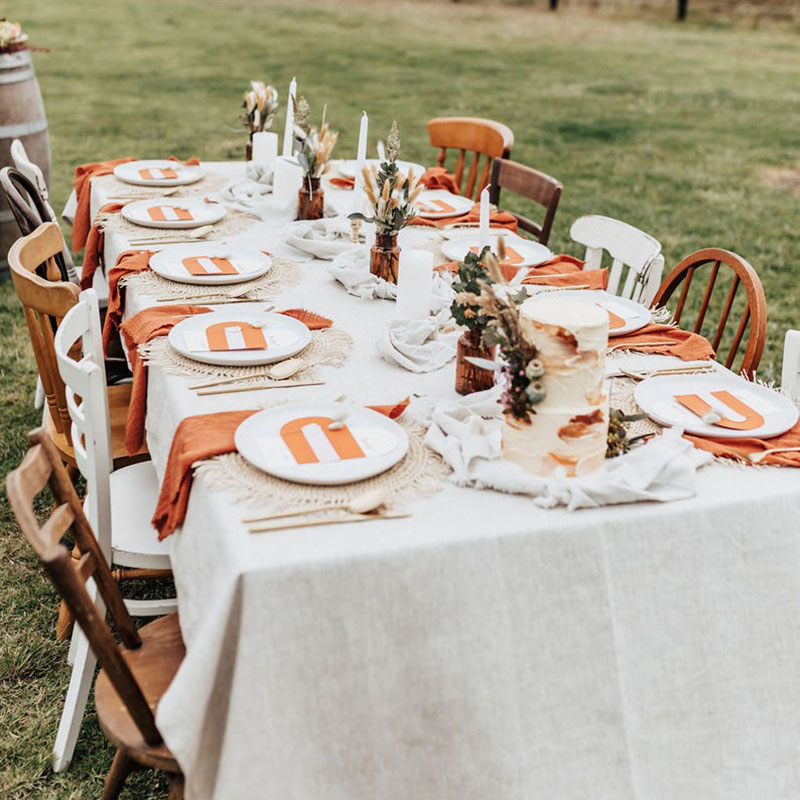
[482, 138]
[133, 675]
[725, 271]
[532, 184]
[30, 210]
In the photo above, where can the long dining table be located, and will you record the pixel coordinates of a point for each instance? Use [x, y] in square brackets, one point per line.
[483, 648]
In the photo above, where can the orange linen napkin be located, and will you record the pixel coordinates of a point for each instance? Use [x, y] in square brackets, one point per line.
[141, 328]
[593, 278]
[343, 183]
[128, 263]
[739, 448]
[83, 193]
[95, 242]
[683, 344]
[497, 219]
[200, 437]
[439, 178]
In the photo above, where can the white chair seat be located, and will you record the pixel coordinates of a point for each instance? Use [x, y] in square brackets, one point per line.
[134, 541]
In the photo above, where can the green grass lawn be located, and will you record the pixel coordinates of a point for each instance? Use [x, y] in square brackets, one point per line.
[690, 133]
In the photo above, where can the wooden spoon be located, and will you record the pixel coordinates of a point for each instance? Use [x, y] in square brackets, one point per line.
[279, 372]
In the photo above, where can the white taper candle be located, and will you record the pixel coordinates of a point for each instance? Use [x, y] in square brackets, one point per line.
[363, 130]
[483, 232]
[288, 137]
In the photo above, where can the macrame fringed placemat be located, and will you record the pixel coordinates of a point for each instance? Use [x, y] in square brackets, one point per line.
[114, 187]
[284, 274]
[421, 472]
[328, 347]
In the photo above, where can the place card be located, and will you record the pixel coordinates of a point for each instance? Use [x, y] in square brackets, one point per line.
[169, 214]
[154, 174]
[724, 402]
[232, 336]
[213, 265]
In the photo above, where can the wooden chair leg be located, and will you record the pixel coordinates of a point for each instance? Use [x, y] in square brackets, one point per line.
[121, 767]
[65, 621]
[176, 788]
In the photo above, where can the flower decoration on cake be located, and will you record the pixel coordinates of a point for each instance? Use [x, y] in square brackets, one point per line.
[390, 193]
[312, 147]
[260, 104]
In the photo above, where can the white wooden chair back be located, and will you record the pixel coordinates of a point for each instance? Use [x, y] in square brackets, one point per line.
[87, 403]
[32, 172]
[790, 377]
[637, 264]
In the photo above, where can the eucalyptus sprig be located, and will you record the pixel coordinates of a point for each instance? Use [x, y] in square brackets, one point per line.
[390, 193]
[465, 310]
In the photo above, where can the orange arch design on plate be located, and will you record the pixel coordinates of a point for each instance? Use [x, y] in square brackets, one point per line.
[341, 440]
[752, 419]
[253, 337]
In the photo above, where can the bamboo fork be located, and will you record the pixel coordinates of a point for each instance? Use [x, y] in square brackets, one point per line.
[281, 385]
[337, 521]
[630, 346]
[757, 458]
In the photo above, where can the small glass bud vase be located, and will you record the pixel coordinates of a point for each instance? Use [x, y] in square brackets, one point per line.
[385, 257]
[469, 377]
[310, 200]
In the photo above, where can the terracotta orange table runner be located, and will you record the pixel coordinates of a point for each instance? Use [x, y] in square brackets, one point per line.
[128, 263]
[741, 448]
[95, 242]
[676, 342]
[198, 438]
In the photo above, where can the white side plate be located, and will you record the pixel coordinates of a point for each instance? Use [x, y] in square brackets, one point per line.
[531, 253]
[655, 397]
[131, 172]
[441, 204]
[202, 213]
[170, 263]
[381, 440]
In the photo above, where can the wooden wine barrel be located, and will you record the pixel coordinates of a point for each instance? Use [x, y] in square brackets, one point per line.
[21, 117]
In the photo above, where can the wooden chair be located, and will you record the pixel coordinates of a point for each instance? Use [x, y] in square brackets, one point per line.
[530, 183]
[135, 674]
[752, 308]
[32, 172]
[790, 375]
[119, 504]
[635, 255]
[46, 300]
[480, 137]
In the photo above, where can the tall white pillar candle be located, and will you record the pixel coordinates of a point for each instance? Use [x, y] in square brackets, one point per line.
[265, 147]
[286, 181]
[483, 231]
[414, 284]
[362, 138]
[287, 131]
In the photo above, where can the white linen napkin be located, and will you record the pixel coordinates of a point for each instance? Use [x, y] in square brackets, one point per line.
[467, 434]
[351, 269]
[417, 345]
[248, 196]
[322, 238]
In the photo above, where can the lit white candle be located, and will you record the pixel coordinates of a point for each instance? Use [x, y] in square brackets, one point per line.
[362, 138]
[265, 147]
[287, 131]
[414, 284]
[483, 232]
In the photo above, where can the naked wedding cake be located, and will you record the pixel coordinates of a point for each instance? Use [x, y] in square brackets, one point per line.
[570, 426]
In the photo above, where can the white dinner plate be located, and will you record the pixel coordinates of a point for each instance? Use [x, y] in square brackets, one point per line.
[348, 168]
[656, 397]
[440, 204]
[625, 316]
[158, 172]
[167, 212]
[519, 252]
[209, 263]
[294, 442]
[284, 337]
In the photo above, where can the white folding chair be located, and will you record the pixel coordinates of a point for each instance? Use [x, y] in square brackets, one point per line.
[631, 249]
[118, 504]
[790, 376]
[32, 172]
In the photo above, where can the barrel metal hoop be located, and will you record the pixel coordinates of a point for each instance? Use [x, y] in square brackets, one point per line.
[23, 129]
[16, 77]
[22, 58]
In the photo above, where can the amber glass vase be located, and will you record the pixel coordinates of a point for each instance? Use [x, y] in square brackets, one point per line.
[385, 257]
[310, 200]
[469, 377]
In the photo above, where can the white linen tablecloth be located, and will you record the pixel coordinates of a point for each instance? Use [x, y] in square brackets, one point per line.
[484, 648]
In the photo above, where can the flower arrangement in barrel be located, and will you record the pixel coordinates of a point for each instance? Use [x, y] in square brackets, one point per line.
[312, 149]
[11, 36]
